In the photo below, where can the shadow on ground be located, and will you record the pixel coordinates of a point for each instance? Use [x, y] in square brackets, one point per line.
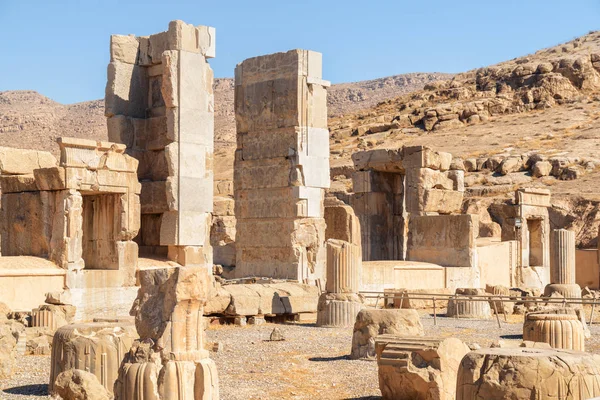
[515, 337]
[325, 359]
[29, 390]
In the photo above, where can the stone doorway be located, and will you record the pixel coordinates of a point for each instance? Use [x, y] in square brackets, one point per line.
[535, 242]
[100, 230]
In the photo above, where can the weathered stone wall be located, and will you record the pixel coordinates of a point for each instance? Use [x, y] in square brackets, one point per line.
[391, 185]
[447, 240]
[160, 103]
[281, 166]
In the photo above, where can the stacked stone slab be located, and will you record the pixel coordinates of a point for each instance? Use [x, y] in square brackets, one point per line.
[528, 373]
[169, 360]
[418, 368]
[340, 304]
[562, 265]
[464, 305]
[95, 347]
[561, 331]
[281, 168]
[390, 185]
[160, 103]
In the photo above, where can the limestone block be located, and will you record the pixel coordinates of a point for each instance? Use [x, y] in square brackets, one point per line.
[344, 267]
[218, 299]
[448, 240]
[535, 373]
[533, 197]
[27, 223]
[223, 206]
[274, 78]
[342, 223]
[287, 202]
[383, 160]
[153, 197]
[570, 291]
[96, 347]
[562, 256]
[195, 85]
[561, 331]
[18, 183]
[425, 157]
[281, 298]
[285, 142]
[440, 201]
[267, 233]
[427, 178]
[371, 323]
[53, 178]
[185, 228]
[126, 90]
[458, 179]
[417, 368]
[121, 129]
[190, 255]
[21, 162]
[124, 49]
[338, 311]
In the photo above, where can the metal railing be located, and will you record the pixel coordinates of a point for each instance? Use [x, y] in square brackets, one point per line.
[491, 298]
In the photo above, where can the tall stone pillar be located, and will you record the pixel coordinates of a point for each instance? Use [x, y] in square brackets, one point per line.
[341, 303]
[562, 265]
[562, 260]
[343, 267]
[160, 103]
[281, 167]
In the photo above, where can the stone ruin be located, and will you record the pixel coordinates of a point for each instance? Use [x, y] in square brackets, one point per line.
[81, 215]
[160, 104]
[138, 210]
[281, 166]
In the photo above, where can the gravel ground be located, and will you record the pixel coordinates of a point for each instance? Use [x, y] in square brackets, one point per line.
[311, 363]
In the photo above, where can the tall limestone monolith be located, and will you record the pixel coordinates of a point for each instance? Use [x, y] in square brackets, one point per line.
[281, 167]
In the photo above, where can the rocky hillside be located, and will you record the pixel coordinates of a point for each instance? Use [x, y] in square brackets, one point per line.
[30, 120]
[530, 121]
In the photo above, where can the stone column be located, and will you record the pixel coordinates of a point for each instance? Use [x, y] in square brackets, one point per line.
[160, 103]
[341, 303]
[562, 265]
[343, 267]
[169, 359]
[562, 261]
[281, 166]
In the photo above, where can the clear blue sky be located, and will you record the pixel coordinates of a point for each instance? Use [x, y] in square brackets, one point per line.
[60, 48]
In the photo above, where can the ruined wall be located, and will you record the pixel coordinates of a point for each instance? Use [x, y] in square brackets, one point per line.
[447, 240]
[391, 185]
[160, 103]
[281, 166]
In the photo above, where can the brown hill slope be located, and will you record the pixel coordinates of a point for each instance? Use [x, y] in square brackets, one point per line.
[31, 120]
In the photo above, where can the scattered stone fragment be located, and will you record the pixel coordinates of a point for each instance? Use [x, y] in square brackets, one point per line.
[276, 335]
[75, 384]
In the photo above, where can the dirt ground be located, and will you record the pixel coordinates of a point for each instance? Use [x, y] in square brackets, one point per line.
[311, 363]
